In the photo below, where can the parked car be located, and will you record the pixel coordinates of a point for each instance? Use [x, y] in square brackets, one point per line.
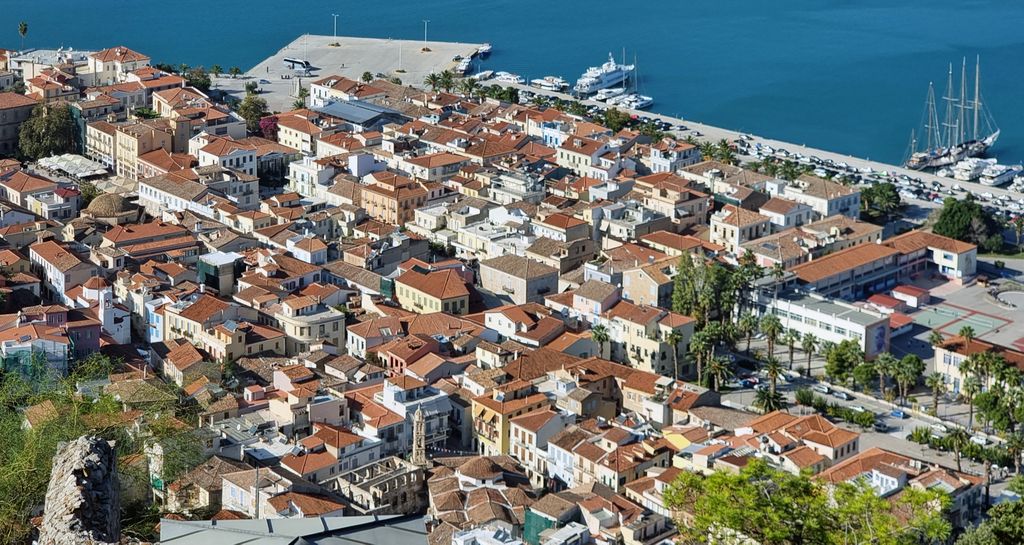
[898, 413]
[881, 427]
[979, 440]
[842, 395]
[858, 409]
[821, 388]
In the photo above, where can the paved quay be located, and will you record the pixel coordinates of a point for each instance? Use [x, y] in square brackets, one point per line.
[713, 134]
[408, 60]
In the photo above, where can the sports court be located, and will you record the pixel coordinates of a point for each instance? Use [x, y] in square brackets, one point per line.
[949, 319]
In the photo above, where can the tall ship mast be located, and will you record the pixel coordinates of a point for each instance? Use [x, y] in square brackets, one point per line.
[966, 130]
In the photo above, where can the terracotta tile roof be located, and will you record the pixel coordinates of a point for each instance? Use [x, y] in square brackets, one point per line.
[336, 436]
[203, 308]
[739, 217]
[124, 234]
[533, 421]
[672, 240]
[14, 100]
[311, 505]
[842, 261]
[960, 346]
[779, 205]
[561, 221]
[183, 356]
[637, 314]
[119, 54]
[815, 429]
[22, 182]
[445, 284]
[56, 255]
[305, 463]
[918, 240]
[519, 267]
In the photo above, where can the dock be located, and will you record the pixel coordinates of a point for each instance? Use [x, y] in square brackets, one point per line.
[408, 60]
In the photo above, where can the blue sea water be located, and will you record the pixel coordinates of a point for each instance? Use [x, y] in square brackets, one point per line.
[845, 75]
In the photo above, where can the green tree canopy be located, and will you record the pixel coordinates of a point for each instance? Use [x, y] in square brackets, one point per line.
[252, 109]
[842, 359]
[616, 119]
[966, 220]
[50, 130]
[772, 507]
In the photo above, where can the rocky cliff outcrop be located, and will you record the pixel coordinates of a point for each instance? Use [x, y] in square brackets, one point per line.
[82, 503]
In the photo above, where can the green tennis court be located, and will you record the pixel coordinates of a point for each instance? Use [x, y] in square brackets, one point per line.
[949, 320]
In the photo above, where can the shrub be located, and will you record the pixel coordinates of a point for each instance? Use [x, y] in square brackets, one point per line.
[804, 396]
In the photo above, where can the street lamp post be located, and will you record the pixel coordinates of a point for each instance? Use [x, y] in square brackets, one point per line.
[425, 21]
[335, 15]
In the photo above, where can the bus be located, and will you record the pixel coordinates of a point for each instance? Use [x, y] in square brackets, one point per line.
[296, 64]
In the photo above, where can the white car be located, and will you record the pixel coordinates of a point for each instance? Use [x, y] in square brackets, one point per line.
[979, 440]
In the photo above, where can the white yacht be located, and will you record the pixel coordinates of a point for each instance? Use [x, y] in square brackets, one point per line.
[481, 76]
[998, 174]
[607, 75]
[508, 77]
[970, 168]
[609, 93]
[550, 83]
[484, 50]
[637, 102]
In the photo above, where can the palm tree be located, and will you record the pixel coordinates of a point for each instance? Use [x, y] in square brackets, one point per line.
[971, 387]
[23, 31]
[769, 401]
[773, 370]
[790, 338]
[935, 338]
[719, 370]
[937, 383]
[235, 71]
[447, 80]
[746, 326]
[778, 273]
[673, 339]
[809, 343]
[299, 104]
[1015, 448]
[367, 77]
[599, 334]
[1018, 229]
[958, 439]
[433, 80]
[967, 332]
[885, 366]
[701, 344]
[216, 70]
[469, 87]
[771, 326]
[707, 151]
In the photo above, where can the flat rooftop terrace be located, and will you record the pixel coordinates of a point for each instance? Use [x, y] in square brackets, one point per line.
[408, 60]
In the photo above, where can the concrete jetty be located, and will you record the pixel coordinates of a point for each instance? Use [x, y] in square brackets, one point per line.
[408, 60]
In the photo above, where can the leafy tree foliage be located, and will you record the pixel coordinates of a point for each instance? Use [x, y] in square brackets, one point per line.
[198, 77]
[966, 220]
[615, 119]
[772, 507]
[252, 110]
[50, 130]
[1005, 525]
[842, 359]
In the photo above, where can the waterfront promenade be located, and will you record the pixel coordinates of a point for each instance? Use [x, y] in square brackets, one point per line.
[714, 134]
